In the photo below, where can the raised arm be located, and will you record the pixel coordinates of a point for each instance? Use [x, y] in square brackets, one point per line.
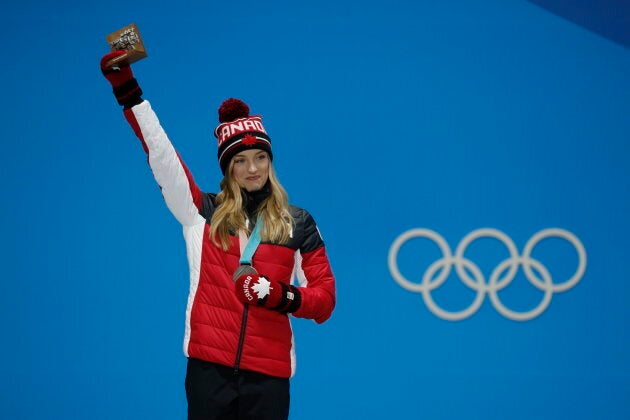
[182, 195]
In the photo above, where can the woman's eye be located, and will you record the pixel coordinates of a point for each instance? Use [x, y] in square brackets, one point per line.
[239, 161]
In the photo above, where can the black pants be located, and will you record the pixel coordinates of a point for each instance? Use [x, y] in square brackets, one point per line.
[216, 392]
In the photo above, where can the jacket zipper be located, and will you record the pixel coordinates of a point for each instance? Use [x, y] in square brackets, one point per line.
[241, 340]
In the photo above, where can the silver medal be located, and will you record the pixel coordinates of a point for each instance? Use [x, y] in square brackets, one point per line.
[243, 270]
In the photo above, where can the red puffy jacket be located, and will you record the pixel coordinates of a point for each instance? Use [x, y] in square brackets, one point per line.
[219, 328]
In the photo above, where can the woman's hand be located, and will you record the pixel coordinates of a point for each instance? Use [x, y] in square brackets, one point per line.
[256, 289]
[120, 76]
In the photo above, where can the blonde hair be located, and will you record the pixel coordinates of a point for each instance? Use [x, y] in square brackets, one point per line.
[230, 216]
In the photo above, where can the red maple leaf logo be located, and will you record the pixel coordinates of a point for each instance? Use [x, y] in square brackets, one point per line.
[248, 140]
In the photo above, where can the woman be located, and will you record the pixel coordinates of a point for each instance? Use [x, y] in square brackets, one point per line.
[244, 247]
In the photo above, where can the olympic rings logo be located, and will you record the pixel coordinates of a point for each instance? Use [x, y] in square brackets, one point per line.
[470, 274]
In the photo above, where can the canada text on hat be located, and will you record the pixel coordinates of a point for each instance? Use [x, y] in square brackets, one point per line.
[239, 131]
[228, 130]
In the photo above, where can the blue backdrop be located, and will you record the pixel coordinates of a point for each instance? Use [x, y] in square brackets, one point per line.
[389, 116]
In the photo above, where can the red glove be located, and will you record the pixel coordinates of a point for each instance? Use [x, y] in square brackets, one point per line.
[126, 88]
[258, 290]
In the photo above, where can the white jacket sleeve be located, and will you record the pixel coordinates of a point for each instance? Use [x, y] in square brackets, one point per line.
[182, 195]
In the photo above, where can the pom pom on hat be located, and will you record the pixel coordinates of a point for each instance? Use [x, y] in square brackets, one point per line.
[232, 109]
[239, 131]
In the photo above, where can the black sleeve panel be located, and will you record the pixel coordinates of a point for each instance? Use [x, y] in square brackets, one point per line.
[208, 206]
[307, 231]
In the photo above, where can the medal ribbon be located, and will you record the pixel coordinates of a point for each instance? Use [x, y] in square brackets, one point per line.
[254, 240]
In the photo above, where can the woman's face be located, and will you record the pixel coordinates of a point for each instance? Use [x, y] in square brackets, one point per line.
[250, 169]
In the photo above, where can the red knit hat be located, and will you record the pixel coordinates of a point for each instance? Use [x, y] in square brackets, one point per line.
[239, 131]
